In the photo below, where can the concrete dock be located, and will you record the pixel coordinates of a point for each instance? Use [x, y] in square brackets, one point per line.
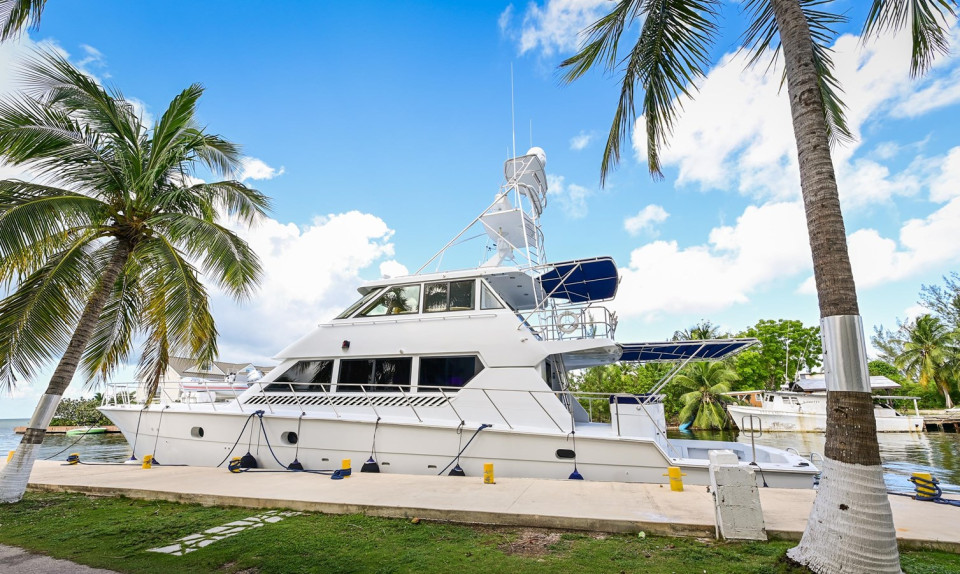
[563, 504]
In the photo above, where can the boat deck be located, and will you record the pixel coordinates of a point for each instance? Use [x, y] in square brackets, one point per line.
[575, 505]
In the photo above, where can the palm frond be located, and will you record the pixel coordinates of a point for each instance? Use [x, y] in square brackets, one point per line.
[36, 220]
[237, 200]
[112, 339]
[174, 297]
[53, 80]
[15, 15]
[762, 36]
[670, 55]
[928, 23]
[223, 255]
[37, 320]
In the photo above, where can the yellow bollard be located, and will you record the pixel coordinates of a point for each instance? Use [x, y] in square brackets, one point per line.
[676, 482]
[345, 469]
[147, 461]
[488, 473]
[922, 489]
[10, 455]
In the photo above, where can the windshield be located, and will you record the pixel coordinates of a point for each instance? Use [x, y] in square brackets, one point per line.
[360, 303]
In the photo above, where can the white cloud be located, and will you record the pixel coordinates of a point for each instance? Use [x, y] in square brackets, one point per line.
[581, 141]
[645, 219]
[393, 269]
[571, 197]
[253, 168]
[935, 93]
[737, 132]
[506, 17]
[310, 274]
[946, 185]
[766, 244]
[555, 26]
[922, 245]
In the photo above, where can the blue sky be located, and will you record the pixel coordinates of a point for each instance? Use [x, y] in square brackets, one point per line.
[380, 130]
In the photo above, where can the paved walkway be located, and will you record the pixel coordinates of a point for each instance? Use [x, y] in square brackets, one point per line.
[17, 561]
[575, 505]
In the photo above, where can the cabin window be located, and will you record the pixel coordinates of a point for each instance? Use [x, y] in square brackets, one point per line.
[374, 375]
[395, 301]
[452, 296]
[487, 299]
[359, 303]
[452, 372]
[304, 377]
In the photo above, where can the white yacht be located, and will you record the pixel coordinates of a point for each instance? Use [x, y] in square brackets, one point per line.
[802, 407]
[440, 372]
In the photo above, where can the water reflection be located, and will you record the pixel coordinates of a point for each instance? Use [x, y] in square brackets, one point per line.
[96, 447]
[902, 453]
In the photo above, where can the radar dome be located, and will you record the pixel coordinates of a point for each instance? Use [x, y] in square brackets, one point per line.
[538, 151]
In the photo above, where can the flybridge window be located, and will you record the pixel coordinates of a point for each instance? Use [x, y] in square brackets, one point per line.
[395, 301]
[375, 375]
[452, 372]
[304, 377]
[487, 299]
[360, 303]
[448, 296]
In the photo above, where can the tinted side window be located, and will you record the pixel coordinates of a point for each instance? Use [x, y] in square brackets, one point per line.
[453, 372]
[452, 296]
[396, 301]
[375, 375]
[308, 376]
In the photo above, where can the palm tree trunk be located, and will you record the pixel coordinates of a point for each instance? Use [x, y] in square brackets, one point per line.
[850, 528]
[14, 476]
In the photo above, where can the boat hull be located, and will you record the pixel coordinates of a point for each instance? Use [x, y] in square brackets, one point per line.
[787, 421]
[402, 447]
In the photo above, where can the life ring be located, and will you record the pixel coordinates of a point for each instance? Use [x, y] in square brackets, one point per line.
[568, 322]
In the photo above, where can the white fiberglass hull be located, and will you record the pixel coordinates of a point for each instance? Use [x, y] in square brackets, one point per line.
[787, 421]
[420, 448]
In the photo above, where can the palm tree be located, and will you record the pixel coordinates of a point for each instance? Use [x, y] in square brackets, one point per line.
[108, 248]
[704, 403]
[703, 330]
[928, 353]
[670, 53]
[15, 15]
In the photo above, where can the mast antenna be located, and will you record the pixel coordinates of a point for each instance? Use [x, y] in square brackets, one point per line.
[513, 119]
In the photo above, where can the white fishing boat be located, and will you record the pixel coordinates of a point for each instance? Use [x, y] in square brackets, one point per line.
[803, 408]
[444, 370]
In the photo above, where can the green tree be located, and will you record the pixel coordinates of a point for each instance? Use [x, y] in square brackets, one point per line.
[930, 353]
[111, 246]
[622, 378]
[669, 54]
[703, 330]
[15, 15]
[704, 403]
[785, 347]
[944, 302]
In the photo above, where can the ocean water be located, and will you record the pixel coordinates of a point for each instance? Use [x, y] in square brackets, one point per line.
[96, 447]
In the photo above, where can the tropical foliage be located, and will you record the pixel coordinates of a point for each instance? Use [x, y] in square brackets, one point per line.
[106, 245]
[704, 404]
[77, 412]
[15, 15]
[786, 347]
[926, 351]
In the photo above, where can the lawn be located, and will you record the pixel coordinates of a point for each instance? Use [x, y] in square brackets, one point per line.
[116, 533]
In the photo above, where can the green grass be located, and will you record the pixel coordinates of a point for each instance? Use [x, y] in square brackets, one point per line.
[115, 533]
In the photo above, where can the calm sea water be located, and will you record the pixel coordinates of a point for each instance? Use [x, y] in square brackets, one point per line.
[903, 453]
[97, 447]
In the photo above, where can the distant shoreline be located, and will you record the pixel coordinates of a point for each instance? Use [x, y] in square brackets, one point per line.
[64, 429]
